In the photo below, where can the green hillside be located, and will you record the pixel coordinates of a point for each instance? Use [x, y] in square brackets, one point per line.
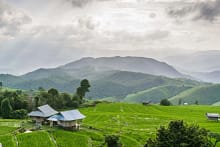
[103, 84]
[203, 94]
[156, 94]
[134, 123]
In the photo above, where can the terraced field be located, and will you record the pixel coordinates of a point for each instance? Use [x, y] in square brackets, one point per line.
[134, 123]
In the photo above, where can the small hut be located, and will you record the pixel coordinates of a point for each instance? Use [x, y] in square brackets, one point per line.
[213, 116]
[67, 119]
[42, 113]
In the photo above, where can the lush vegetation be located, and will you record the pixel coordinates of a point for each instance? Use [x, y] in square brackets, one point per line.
[67, 139]
[133, 123]
[35, 139]
[203, 94]
[7, 141]
[180, 134]
[16, 104]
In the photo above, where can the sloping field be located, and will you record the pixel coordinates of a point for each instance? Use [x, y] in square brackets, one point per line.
[206, 95]
[134, 123]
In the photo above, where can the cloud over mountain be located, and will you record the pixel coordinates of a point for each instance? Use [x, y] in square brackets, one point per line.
[207, 10]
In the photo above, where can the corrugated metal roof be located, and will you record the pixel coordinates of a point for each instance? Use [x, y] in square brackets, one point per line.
[36, 113]
[55, 117]
[212, 115]
[67, 116]
[47, 110]
[72, 115]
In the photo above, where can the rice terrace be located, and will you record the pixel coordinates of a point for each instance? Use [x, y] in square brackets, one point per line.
[109, 73]
[134, 123]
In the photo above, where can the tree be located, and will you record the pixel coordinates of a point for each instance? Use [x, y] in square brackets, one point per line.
[19, 114]
[179, 134]
[6, 108]
[36, 100]
[112, 141]
[53, 92]
[1, 84]
[196, 102]
[165, 102]
[84, 87]
[180, 101]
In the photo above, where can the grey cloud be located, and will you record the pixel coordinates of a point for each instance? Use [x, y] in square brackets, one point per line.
[11, 20]
[82, 3]
[87, 23]
[208, 10]
[79, 3]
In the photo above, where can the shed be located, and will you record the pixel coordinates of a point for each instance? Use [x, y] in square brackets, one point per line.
[67, 119]
[213, 116]
[42, 113]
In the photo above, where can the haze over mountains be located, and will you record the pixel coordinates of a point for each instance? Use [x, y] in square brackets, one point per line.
[203, 66]
[129, 79]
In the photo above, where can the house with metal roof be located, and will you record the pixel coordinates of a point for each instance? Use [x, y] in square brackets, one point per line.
[42, 113]
[67, 119]
[213, 116]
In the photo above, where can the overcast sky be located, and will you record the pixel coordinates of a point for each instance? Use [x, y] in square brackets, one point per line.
[48, 33]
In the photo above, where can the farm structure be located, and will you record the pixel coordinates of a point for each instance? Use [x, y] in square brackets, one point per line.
[68, 119]
[42, 113]
[213, 116]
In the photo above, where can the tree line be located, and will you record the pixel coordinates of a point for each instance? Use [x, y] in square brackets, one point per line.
[16, 104]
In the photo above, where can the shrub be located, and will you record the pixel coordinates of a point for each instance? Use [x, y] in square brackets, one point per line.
[165, 102]
[6, 108]
[19, 114]
[112, 141]
[180, 134]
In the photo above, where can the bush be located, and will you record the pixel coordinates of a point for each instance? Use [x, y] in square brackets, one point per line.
[165, 102]
[6, 108]
[112, 141]
[180, 134]
[19, 114]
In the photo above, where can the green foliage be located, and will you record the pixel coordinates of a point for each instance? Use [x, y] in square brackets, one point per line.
[112, 141]
[6, 108]
[6, 129]
[19, 114]
[35, 139]
[81, 91]
[7, 141]
[69, 139]
[179, 134]
[155, 94]
[1, 84]
[216, 137]
[203, 94]
[165, 102]
[56, 100]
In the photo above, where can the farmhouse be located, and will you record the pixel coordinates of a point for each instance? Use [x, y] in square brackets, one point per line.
[213, 116]
[67, 119]
[42, 113]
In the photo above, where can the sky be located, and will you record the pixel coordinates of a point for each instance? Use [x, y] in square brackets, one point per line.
[48, 33]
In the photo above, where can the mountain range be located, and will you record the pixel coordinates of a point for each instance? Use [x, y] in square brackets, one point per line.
[128, 79]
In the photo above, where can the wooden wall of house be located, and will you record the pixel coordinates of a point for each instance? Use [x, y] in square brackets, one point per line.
[37, 119]
[67, 123]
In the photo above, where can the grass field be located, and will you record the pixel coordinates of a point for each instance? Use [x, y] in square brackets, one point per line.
[134, 123]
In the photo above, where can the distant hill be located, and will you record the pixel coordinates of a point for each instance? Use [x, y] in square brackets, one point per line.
[203, 94]
[204, 61]
[109, 83]
[133, 64]
[213, 77]
[113, 78]
[156, 94]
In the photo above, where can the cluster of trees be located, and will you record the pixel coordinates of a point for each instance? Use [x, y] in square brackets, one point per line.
[58, 100]
[165, 102]
[14, 104]
[181, 134]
